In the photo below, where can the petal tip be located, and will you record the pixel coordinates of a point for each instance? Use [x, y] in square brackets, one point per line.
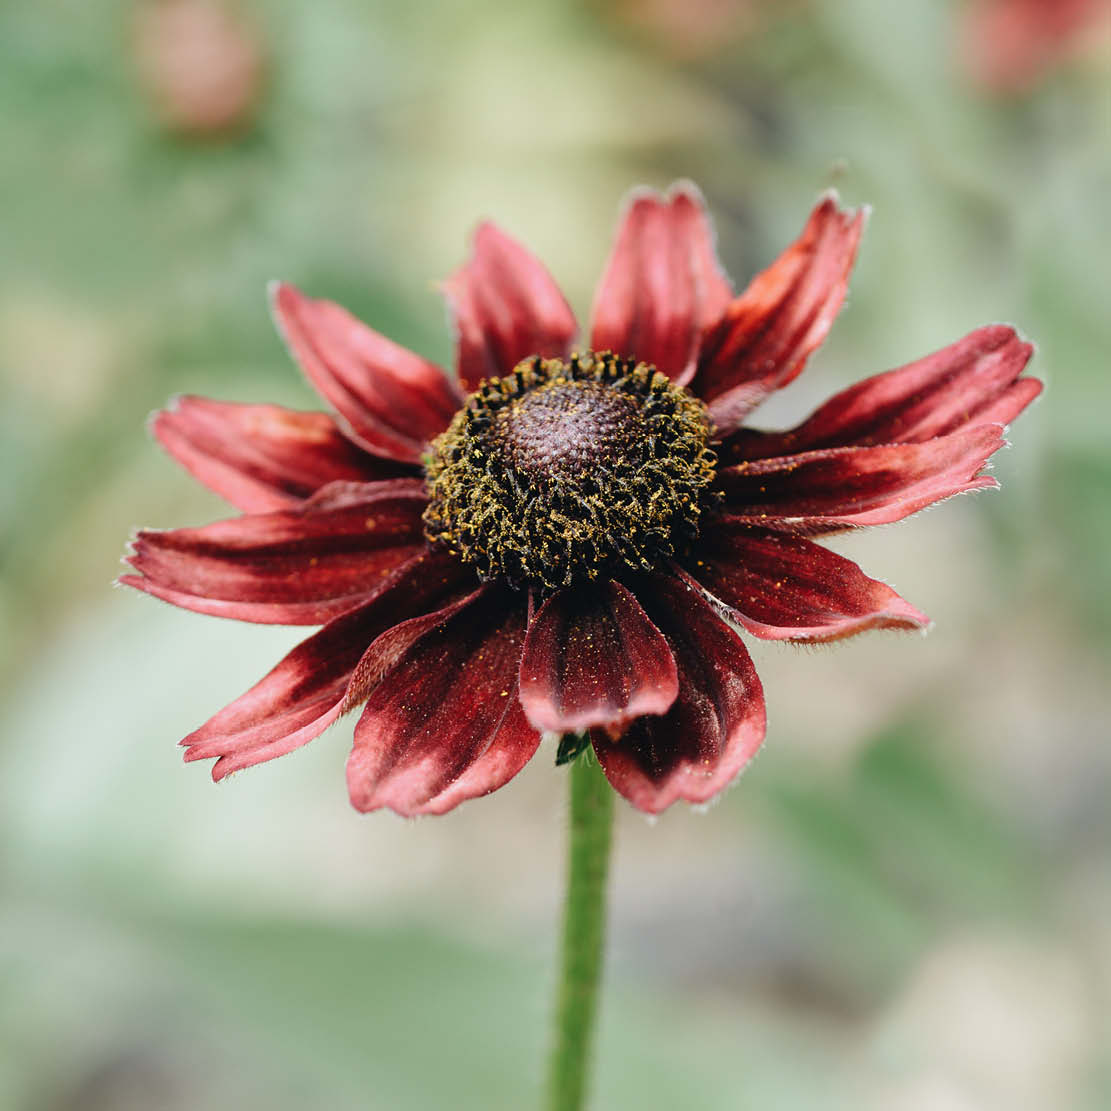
[1006, 331]
[221, 769]
[830, 205]
[543, 716]
[277, 289]
[486, 233]
[161, 421]
[284, 299]
[904, 615]
[641, 195]
[684, 187]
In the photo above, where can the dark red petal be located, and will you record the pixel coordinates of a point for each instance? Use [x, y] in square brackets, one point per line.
[445, 723]
[391, 401]
[663, 284]
[294, 567]
[715, 724]
[312, 685]
[767, 334]
[511, 748]
[972, 381]
[841, 487]
[592, 657]
[263, 457]
[788, 588]
[506, 307]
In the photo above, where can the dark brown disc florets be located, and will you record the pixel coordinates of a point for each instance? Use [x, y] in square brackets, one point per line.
[562, 471]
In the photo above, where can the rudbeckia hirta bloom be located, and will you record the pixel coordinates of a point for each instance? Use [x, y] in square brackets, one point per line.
[559, 538]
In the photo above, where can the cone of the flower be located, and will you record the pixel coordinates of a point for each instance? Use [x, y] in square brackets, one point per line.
[561, 541]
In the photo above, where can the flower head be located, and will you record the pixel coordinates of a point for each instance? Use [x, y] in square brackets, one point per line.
[1009, 46]
[564, 540]
[203, 65]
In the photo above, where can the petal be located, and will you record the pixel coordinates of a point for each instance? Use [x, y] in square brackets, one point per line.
[263, 457]
[592, 657]
[789, 588]
[511, 748]
[766, 335]
[445, 722]
[391, 401]
[972, 381]
[841, 487]
[714, 726]
[311, 686]
[663, 284]
[294, 567]
[506, 307]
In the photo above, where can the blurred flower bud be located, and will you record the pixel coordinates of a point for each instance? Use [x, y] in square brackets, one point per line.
[1010, 45]
[690, 29]
[202, 65]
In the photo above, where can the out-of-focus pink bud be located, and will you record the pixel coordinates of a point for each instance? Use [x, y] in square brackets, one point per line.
[202, 63]
[1010, 45]
[690, 29]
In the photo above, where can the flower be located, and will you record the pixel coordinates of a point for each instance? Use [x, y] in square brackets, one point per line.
[1010, 45]
[202, 64]
[564, 542]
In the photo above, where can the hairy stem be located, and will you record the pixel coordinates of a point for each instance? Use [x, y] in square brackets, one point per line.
[584, 928]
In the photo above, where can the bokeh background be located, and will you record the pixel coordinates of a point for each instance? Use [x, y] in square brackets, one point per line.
[905, 905]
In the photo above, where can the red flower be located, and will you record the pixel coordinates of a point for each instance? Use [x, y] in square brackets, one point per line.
[559, 549]
[203, 65]
[1010, 45]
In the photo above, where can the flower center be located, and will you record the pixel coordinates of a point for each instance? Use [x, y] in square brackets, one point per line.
[563, 471]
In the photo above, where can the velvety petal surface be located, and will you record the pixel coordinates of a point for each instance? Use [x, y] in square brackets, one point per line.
[820, 491]
[512, 746]
[293, 567]
[391, 401]
[766, 334]
[310, 687]
[663, 284]
[973, 381]
[445, 722]
[506, 307]
[264, 457]
[783, 587]
[592, 657]
[715, 724]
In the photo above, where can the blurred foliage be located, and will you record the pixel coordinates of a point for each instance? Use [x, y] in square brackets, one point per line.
[922, 850]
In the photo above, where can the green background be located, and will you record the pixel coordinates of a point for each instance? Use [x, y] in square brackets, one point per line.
[905, 904]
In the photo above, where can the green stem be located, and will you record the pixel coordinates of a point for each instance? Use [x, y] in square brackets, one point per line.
[584, 928]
